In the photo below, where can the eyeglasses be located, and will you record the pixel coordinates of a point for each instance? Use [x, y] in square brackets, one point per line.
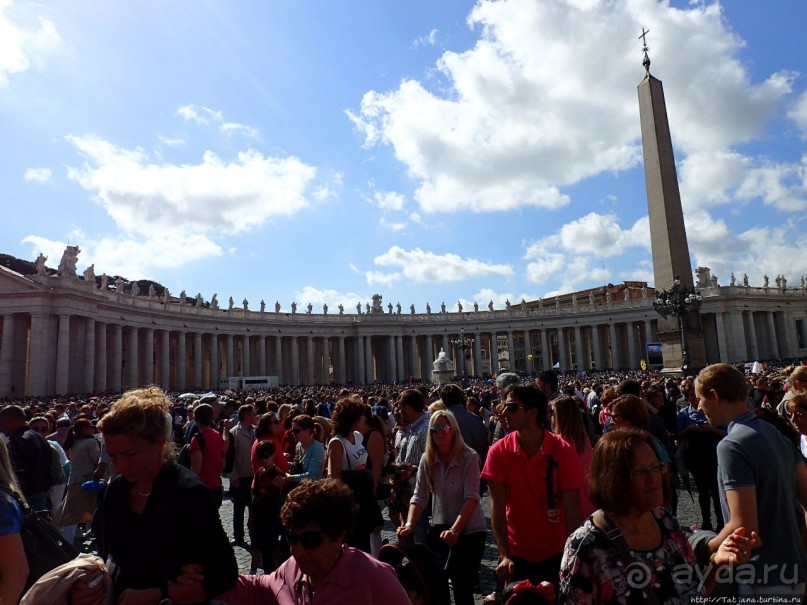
[513, 407]
[440, 428]
[307, 539]
[659, 468]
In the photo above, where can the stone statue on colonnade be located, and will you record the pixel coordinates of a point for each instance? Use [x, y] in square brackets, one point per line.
[183, 297]
[745, 279]
[245, 302]
[214, 301]
[377, 300]
[135, 289]
[293, 307]
[230, 304]
[104, 281]
[309, 308]
[324, 308]
[389, 307]
[341, 309]
[765, 281]
[476, 307]
[428, 309]
[39, 264]
[89, 274]
[490, 306]
[459, 306]
[67, 266]
[732, 279]
[277, 306]
[398, 308]
[152, 292]
[263, 305]
[199, 300]
[412, 307]
[591, 298]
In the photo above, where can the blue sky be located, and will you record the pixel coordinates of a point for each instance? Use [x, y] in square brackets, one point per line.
[321, 152]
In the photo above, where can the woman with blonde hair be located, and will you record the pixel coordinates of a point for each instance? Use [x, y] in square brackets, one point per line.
[156, 515]
[568, 420]
[797, 385]
[13, 563]
[449, 472]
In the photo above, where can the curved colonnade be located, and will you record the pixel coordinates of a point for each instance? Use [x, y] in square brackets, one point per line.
[63, 335]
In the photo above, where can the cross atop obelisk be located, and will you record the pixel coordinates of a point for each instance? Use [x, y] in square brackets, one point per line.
[646, 61]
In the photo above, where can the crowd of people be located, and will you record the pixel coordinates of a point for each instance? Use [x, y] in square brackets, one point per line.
[583, 473]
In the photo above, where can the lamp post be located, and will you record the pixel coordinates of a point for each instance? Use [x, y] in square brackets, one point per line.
[462, 343]
[678, 301]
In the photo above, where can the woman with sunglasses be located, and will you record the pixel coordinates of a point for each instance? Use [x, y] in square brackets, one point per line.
[632, 546]
[449, 473]
[317, 517]
[309, 453]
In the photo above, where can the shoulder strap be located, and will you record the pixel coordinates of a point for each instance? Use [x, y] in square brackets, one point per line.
[613, 533]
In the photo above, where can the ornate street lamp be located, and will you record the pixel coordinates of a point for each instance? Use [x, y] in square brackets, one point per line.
[678, 301]
[462, 343]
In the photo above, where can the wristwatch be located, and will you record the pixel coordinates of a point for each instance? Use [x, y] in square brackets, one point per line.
[165, 597]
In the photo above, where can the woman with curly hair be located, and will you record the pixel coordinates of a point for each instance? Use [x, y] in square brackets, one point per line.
[347, 460]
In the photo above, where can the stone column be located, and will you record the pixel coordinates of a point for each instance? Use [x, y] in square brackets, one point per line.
[182, 369]
[738, 334]
[360, 359]
[214, 362]
[7, 356]
[650, 330]
[444, 344]
[229, 343]
[295, 361]
[148, 356]
[595, 340]
[546, 353]
[62, 356]
[413, 356]
[197, 360]
[399, 357]
[101, 364]
[262, 356]
[38, 366]
[477, 354]
[722, 352]
[88, 382]
[562, 352]
[582, 363]
[428, 358]
[279, 357]
[309, 359]
[773, 341]
[787, 340]
[165, 360]
[750, 329]
[494, 353]
[342, 373]
[115, 382]
[630, 327]
[529, 358]
[368, 360]
[391, 365]
[616, 361]
[132, 359]
[246, 357]
[511, 351]
[326, 361]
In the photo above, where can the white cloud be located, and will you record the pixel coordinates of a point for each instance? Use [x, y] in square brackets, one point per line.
[427, 267]
[486, 295]
[524, 115]
[392, 226]
[199, 114]
[22, 44]
[354, 268]
[428, 40]
[378, 278]
[230, 128]
[389, 200]
[798, 113]
[212, 197]
[170, 141]
[37, 175]
[597, 235]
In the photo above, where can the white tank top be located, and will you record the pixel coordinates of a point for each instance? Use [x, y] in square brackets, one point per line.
[357, 453]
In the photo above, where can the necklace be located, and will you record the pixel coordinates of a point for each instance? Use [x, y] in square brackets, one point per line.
[638, 530]
[141, 494]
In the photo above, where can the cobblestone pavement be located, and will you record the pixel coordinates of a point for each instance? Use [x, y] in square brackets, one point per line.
[688, 514]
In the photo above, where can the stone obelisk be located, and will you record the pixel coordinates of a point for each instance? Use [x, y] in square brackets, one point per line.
[668, 238]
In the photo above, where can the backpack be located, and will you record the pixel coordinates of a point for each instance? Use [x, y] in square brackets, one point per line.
[229, 457]
[184, 456]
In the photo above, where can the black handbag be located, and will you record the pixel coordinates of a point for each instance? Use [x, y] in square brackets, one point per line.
[45, 548]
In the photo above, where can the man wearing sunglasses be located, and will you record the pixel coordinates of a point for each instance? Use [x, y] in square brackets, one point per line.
[534, 481]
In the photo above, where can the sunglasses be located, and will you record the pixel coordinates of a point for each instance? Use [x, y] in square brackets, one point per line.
[440, 428]
[513, 407]
[307, 539]
[659, 468]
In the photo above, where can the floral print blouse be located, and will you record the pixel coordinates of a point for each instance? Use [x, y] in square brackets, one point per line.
[592, 572]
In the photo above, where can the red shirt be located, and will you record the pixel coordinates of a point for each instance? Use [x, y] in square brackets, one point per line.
[280, 460]
[211, 457]
[536, 521]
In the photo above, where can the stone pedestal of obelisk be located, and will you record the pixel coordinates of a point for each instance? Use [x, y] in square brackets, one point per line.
[668, 239]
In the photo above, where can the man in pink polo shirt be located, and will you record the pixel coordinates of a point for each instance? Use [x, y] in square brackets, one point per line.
[534, 483]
